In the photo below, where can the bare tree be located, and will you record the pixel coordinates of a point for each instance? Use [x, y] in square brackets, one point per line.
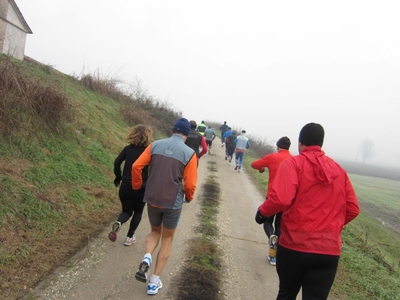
[367, 147]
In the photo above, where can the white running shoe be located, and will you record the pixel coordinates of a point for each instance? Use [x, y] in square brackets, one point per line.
[152, 288]
[272, 262]
[129, 241]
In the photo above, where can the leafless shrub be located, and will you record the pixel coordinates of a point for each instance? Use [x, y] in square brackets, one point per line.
[138, 106]
[25, 103]
[261, 147]
[103, 86]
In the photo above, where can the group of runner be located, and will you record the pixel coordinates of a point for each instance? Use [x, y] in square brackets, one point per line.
[309, 193]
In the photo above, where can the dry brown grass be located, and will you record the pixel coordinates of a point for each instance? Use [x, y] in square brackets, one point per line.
[137, 107]
[26, 103]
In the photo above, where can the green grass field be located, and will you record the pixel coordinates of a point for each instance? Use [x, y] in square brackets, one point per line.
[369, 267]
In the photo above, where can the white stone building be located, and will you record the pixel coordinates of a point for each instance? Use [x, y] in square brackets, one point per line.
[13, 30]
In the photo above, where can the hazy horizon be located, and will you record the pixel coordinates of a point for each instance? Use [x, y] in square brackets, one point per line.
[268, 66]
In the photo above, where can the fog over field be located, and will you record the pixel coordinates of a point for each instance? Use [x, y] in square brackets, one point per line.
[268, 67]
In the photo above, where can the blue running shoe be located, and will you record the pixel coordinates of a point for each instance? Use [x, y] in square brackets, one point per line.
[273, 261]
[152, 288]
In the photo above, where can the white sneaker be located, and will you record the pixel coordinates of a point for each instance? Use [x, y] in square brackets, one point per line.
[129, 241]
[272, 262]
[152, 288]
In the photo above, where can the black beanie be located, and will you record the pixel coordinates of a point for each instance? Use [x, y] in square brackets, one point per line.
[312, 134]
[283, 143]
[193, 124]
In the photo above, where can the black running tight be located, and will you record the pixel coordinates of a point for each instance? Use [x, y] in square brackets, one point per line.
[313, 273]
[132, 204]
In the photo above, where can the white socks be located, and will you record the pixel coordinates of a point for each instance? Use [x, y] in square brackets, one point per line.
[154, 278]
[147, 258]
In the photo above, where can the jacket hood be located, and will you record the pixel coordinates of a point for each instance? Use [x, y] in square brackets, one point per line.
[324, 167]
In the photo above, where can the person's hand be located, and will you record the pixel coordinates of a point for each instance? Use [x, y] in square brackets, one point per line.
[260, 219]
[186, 200]
[117, 181]
[261, 170]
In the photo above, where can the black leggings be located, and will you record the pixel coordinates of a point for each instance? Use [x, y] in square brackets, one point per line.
[229, 151]
[269, 226]
[132, 203]
[313, 273]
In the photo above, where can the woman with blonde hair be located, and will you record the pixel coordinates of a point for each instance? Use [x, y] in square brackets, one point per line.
[139, 137]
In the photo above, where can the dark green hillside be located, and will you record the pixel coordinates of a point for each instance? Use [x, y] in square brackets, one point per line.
[59, 137]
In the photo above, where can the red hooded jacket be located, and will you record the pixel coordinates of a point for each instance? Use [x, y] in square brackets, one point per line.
[272, 162]
[317, 200]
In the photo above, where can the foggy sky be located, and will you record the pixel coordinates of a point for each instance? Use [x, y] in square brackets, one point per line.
[268, 67]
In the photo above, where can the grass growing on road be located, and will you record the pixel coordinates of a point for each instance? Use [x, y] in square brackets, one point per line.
[200, 278]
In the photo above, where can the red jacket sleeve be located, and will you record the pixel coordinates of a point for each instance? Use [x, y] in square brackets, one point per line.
[261, 163]
[278, 199]
[352, 207]
[203, 146]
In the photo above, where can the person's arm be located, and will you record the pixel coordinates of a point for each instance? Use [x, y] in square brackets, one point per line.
[117, 167]
[283, 189]
[190, 178]
[261, 164]
[203, 146]
[137, 167]
[352, 207]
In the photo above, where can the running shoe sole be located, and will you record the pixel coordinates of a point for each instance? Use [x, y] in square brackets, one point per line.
[141, 274]
[112, 236]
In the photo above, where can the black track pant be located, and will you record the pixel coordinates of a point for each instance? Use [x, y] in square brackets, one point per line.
[313, 273]
[273, 225]
[132, 203]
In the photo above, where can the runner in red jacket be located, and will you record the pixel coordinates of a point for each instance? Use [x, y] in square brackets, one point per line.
[271, 162]
[317, 200]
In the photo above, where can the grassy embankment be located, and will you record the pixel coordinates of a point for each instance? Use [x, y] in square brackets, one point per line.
[59, 138]
[370, 263]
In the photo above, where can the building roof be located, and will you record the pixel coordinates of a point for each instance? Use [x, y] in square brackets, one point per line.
[26, 28]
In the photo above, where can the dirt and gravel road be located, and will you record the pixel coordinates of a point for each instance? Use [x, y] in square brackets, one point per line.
[105, 270]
